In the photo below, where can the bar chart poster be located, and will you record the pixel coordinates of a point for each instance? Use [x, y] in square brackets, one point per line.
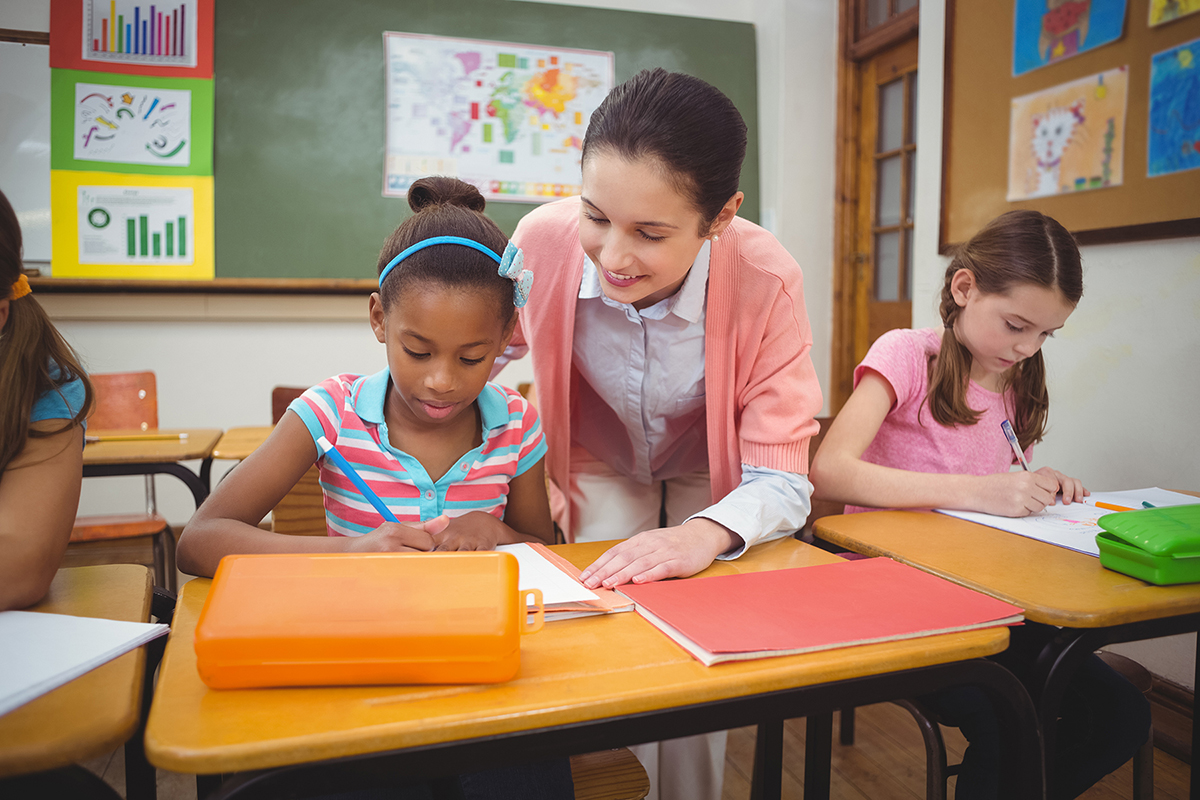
[130, 123]
[133, 229]
[171, 37]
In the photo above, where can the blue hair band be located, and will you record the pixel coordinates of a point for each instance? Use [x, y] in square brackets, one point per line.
[511, 264]
[421, 245]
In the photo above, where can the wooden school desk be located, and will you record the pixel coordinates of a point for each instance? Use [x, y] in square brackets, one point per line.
[100, 710]
[584, 685]
[150, 456]
[1094, 606]
[237, 443]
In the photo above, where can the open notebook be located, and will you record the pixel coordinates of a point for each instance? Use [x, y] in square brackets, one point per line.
[563, 595]
[789, 611]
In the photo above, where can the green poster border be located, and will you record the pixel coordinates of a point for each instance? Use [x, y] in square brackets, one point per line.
[62, 121]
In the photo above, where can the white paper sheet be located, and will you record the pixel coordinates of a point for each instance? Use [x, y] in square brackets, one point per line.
[1074, 527]
[41, 652]
[538, 573]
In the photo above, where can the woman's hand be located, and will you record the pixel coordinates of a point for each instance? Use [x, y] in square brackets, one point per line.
[661, 553]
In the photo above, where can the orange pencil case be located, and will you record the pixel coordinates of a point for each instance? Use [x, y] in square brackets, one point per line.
[348, 619]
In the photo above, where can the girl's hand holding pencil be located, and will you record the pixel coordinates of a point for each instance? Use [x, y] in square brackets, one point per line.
[398, 537]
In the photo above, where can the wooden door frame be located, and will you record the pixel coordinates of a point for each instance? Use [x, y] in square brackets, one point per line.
[849, 116]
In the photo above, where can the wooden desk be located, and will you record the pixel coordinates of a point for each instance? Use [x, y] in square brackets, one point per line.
[150, 456]
[97, 712]
[237, 443]
[1094, 606]
[583, 685]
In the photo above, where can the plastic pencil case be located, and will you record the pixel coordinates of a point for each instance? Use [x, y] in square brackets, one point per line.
[1159, 545]
[348, 619]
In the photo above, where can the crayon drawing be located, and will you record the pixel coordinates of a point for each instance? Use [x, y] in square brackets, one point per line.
[1174, 140]
[132, 125]
[1168, 10]
[1069, 137]
[1046, 31]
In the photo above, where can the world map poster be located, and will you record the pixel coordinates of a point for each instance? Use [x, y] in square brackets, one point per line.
[508, 118]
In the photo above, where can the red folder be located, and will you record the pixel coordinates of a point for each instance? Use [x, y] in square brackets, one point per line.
[782, 612]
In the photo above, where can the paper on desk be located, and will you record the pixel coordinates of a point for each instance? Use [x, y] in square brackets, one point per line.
[1074, 527]
[43, 651]
[538, 573]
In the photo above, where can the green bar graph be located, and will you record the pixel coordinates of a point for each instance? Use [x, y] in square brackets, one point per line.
[145, 231]
[170, 237]
[131, 236]
[158, 244]
[120, 33]
[182, 236]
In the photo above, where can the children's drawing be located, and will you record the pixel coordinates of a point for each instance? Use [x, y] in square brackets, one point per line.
[1174, 140]
[1046, 31]
[133, 125]
[1069, 137]
[1167, 10]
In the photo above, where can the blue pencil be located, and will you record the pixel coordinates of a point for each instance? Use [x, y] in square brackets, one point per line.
[356, 479]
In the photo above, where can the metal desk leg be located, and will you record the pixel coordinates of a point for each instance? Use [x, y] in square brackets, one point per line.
[1194, 789]
[818, 751]
[767, 780]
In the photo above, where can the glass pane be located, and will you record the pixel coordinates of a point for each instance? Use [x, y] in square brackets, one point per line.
[887, 266]
[912, 187]
[891, 116]
[905, 5]
[887, 191]
[911, 133]
[877, 12]
[906, 292]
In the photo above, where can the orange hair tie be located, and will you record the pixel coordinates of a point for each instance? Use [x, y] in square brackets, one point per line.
[20, 288]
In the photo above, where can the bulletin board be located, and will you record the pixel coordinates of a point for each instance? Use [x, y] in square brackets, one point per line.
[979, 92]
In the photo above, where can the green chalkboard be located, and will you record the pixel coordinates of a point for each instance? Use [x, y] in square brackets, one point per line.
[300, 113]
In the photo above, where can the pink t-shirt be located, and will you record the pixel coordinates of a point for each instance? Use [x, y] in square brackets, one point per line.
[910, 438]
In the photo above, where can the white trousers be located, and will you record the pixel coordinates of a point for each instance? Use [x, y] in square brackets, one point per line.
[610, 506]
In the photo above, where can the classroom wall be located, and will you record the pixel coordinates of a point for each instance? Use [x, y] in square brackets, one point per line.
[1122, 372]
[217, 357]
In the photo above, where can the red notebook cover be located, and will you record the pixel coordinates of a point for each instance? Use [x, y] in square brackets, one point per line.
[781, 612]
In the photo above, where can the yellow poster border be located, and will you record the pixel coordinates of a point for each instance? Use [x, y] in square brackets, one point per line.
[64, 217]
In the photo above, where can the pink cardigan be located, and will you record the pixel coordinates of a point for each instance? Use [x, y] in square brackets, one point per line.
[761, 389]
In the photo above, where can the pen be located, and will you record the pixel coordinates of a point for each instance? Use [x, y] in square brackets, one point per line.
[1148, 505]
[1112, 507]
[1012, 441]
[356, 479]
[134, 437]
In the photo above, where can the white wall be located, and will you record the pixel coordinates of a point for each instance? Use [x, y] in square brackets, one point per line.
[216, 358]
[1123, 373]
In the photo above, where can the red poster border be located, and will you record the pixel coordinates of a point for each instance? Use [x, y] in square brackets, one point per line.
[66, 44]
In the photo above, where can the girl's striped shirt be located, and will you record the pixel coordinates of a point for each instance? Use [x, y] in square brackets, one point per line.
[348, 411]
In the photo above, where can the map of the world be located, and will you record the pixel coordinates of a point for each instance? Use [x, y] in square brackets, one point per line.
[508, 118]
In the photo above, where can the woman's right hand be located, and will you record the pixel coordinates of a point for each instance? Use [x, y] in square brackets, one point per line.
[1016, 494]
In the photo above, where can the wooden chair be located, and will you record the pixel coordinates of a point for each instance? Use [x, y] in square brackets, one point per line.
[302, 510]
[126, 400]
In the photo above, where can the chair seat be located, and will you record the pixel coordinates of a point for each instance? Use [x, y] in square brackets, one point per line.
[116, 526]
[609, 775]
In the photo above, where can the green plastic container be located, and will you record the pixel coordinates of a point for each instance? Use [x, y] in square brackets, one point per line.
[1159, 545]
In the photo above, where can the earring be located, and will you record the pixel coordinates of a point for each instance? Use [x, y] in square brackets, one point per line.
[716, 237]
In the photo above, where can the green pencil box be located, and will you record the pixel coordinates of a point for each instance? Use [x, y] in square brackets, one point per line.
[1159, 545]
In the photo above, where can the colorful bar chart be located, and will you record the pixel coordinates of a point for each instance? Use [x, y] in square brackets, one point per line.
[140, 33]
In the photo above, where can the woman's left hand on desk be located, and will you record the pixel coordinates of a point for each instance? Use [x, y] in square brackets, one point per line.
[661, 553]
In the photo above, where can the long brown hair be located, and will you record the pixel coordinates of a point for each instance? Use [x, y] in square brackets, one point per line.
[1019, 247]
[34, 358]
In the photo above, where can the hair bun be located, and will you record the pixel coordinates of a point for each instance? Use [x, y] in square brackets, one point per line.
[440, 190]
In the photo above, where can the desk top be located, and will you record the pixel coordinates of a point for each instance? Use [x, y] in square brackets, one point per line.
[571, 671]
[1054, 585]
[237, 443]
[198, 444]
[95, 713]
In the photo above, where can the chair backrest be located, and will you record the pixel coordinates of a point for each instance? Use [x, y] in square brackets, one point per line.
[302, 510]
[124, 400]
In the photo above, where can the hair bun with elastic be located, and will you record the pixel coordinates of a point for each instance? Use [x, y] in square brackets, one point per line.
[438, 190]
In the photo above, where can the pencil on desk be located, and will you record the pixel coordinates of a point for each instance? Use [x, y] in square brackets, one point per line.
[134, 437]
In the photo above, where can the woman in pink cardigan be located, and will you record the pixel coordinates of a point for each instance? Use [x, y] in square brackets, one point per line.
[671, 358]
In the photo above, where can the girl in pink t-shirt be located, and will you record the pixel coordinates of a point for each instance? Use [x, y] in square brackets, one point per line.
[922, 428]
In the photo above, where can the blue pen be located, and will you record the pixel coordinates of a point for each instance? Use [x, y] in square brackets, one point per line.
[356, 479]
[1012, 441]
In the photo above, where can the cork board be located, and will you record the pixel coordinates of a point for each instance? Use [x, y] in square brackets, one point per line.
[979, 94]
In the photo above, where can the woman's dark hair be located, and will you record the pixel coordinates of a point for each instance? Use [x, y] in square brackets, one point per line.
[34, 357]
[1016, 248]
[446, 207]
[693, 130]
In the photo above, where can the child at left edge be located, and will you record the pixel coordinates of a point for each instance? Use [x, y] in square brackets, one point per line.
[458, 460]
